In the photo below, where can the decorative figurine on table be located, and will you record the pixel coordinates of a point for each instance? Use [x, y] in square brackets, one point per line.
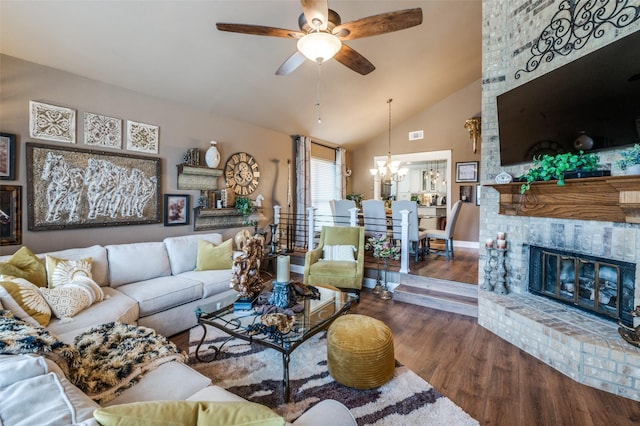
[245, 273]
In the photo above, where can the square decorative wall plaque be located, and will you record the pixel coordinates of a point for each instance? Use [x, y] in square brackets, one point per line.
[103, 131]
[52, 122]
[142, 137]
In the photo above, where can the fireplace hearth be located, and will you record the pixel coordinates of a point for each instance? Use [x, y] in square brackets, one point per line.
[601, 286]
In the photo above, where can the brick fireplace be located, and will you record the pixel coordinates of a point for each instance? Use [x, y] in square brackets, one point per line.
[584, 346]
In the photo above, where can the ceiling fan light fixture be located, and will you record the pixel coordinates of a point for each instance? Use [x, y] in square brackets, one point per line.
[319, 46]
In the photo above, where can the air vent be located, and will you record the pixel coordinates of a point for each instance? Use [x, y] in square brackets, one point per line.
[415, 135]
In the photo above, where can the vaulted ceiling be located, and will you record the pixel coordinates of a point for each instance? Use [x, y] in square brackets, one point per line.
[173, 51]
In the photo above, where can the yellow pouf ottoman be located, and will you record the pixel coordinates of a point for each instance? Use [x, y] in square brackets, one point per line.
[360, 351]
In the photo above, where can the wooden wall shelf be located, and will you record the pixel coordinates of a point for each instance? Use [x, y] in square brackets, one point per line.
[608, 198]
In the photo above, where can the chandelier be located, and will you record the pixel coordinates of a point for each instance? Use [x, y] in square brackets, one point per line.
[389, 170]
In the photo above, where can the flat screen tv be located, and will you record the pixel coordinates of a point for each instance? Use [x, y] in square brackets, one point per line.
[597, 95]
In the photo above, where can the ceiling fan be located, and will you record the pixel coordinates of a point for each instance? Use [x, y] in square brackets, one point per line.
[322, 35]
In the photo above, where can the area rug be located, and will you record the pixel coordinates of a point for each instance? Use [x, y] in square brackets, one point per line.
[255, 373]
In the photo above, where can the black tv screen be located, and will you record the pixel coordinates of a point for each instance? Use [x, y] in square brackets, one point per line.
[597, 95]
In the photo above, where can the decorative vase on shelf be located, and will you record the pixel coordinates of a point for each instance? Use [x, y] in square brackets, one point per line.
[212, 156]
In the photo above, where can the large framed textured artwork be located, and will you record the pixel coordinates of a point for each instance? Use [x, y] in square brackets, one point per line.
[75, 188]
[10, 215]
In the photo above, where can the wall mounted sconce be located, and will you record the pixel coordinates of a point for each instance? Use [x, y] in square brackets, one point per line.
[474, 126]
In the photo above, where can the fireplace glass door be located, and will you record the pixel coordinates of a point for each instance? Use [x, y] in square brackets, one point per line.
[603, 286]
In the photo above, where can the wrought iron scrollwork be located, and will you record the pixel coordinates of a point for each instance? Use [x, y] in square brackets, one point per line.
[575, 23]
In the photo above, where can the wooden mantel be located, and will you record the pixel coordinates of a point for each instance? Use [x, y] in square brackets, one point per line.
[609, 198]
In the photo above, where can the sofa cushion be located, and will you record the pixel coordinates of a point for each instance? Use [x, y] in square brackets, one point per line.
[14, 368]
[333, 268]
[160, 383]
[214, 282]
[63, 404]
[115, 307]
[63, 271]
[130, 263]
[24, 300]
[99, 263]
[25, 264]
[214, 257]
[184, 250]
[211, 413]
[159, 294]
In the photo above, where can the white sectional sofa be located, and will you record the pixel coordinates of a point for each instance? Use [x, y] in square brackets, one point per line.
[153, 284]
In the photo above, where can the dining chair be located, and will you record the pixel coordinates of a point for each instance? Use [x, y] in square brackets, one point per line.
[340, 211]
[445, 234]
[417, 238]
[375, 218]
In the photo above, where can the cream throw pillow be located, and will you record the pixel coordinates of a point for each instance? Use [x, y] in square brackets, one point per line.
[23, 299]
[66, 301]
[211, 257]
[210, 413]
[339, 252]
[25, 264]
[64, 271]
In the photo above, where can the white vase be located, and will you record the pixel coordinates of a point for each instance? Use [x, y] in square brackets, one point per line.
[212, 156]
[633, 170]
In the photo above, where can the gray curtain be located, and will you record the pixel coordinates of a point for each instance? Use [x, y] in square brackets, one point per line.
[302, 188]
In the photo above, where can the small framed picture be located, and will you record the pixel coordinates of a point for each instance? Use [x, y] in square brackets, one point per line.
[7, 156]
[10, 215]
[176, 209]
[467, 172]
[466, 193]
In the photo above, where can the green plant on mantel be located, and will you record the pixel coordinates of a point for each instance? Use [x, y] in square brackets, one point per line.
[550, 167]
[244, 205]
[355, 197]
[630, 157]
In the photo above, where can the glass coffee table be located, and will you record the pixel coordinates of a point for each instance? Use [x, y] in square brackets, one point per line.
[315, 315]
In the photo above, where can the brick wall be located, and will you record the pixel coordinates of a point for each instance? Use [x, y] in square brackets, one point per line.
[509, 30]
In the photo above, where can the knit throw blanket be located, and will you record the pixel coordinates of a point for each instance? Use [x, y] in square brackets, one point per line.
[104, 360]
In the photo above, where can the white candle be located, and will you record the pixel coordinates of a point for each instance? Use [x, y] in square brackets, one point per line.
[500, 235]
[488, 242]
[502, 244]
[282, 275]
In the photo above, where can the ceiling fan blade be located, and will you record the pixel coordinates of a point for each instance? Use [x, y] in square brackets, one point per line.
[352, 59]
[314, 11]
[379, 24]
[291, 64]
[258, 30]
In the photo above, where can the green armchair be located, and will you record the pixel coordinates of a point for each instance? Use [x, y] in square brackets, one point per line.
[328, 263]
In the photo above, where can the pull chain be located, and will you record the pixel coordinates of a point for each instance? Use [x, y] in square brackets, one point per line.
[318, 93]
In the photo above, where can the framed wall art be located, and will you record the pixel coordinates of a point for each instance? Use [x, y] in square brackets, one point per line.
[467, 171]
[7, 156]
[176, 209]
[102, 131]
[142, 137]
[466, 193]
[52, 122]
[75, 188]
[10, 215]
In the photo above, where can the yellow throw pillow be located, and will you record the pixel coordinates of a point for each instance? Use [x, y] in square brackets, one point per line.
[210, 413]
[64, 271]
[211, 257]
[25, 301]
[25, 264]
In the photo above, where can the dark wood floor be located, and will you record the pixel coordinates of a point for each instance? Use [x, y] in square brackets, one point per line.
[492, 380]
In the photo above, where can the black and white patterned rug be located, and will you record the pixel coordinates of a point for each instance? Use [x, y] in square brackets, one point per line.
[255, 373]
